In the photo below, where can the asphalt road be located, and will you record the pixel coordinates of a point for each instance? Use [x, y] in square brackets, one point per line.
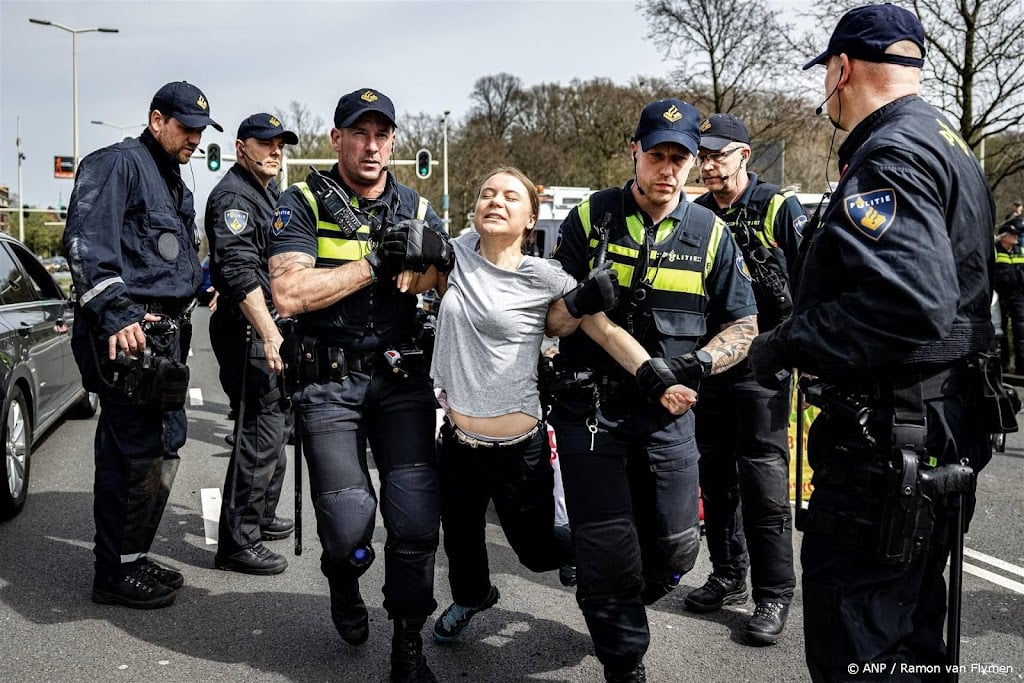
[233, 627]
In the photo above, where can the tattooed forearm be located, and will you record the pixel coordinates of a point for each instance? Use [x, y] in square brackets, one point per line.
[730, 346]
[283, 264]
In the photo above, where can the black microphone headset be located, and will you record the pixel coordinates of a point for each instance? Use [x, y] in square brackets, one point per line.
[241, 150]
[821, 107]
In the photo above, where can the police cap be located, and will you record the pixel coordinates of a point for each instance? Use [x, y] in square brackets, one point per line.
[718, 130]
[265, 127]
[866, 32]
[668, 120]
[1007, 228]
[358, 102]
[185, 102]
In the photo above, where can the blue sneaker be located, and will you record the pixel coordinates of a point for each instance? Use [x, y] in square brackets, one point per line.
[454, 620]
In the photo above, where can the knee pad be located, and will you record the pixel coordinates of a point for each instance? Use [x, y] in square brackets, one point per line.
[345, 521]
[679, 552]
[411, 504]
[608, 558]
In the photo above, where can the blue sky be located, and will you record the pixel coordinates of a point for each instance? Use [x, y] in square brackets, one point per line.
[257, 55]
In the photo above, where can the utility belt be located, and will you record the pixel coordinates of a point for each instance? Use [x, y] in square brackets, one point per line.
[576, 390]
[153, 377]
[471, 441]
[891, 484]
[177, 309]
[307, 360]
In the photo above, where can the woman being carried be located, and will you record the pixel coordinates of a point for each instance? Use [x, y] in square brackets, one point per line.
[494, 444]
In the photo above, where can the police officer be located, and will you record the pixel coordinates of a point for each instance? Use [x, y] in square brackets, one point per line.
[742, 427]
[1009, 284]
[892, 301]
[245, 339]
[628, 467]
[339, 281]
[131, 244]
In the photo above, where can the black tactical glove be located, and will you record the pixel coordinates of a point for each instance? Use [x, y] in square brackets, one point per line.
[387, 260]
[764, 361]
[658, 374]
[599, 292]
[424, 246]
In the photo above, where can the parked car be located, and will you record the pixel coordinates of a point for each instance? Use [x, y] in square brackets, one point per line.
[39, 379]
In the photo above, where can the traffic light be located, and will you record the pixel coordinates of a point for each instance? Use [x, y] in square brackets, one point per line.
[213, 156]
[423, 164]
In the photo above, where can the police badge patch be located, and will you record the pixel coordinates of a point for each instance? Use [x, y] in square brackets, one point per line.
[871, 212]
[281, 218]
[741, 266]
[236, 220]
[799, 223]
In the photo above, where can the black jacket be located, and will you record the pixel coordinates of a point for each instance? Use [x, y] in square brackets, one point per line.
[899, 272]
[130, 236]
[238, 217]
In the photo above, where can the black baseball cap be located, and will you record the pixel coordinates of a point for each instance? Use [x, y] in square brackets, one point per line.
[265, 127]
[358, 102]
[718, 130]
[185, 102]
[866, 32]
[668, 120]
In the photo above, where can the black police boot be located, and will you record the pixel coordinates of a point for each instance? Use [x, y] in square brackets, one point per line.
[768, 622]
[256, 559]
[348, 610]
[135, 588]
[715, 593]
[165, 575]
[638, 674]
[407, 662]
[276, 528]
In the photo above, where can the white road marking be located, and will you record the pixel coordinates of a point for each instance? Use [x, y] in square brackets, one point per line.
[1015, 586]
[994, 561]
[195, 396]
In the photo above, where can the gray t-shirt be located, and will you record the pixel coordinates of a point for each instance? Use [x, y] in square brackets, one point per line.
[489, 330]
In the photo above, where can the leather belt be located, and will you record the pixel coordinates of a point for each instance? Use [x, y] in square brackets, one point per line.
[471, 441]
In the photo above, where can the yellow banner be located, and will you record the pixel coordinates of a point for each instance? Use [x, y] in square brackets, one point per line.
[810, 412]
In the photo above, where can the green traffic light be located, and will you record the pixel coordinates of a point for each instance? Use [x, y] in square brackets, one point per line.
[213, 156]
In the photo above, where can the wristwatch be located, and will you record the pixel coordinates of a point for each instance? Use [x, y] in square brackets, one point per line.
[704, 358]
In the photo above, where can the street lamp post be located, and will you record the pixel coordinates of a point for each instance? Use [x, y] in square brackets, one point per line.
[21, 196]
[74, 69]
[119, 127]
[444, 161]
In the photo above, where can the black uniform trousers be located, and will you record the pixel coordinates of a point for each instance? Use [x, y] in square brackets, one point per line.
[520, 480]
[743, 437]
[256, 470]
[860, 610]
[630, 476]
[1012, 307]
[136, 456]
[397, 417]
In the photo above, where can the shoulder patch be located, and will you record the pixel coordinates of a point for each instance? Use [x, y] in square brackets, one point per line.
[236, 220]
[741, 266]
[871, 212]
[281, 217]
[799, 223]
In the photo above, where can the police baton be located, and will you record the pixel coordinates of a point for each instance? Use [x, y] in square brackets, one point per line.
[956, 579]
[798, 514]
[297, 423]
